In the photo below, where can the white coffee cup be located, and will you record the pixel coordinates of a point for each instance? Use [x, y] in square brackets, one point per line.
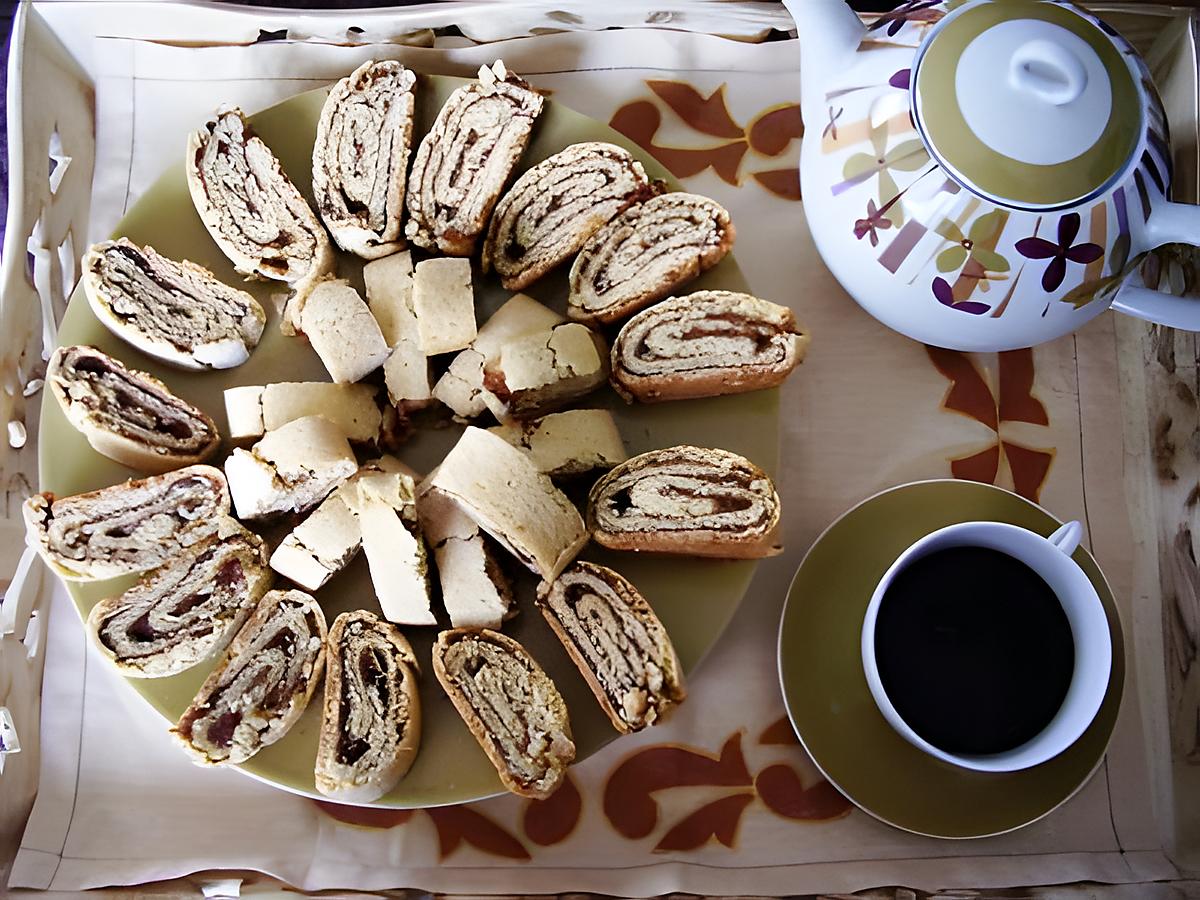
[1051, 559]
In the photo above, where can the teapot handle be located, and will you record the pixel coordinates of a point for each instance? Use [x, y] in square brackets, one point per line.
[1170, 223]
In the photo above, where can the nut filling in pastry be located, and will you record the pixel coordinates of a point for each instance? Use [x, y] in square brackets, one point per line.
[686, 500]
[511, 706]
[128, 527]
[553, 209]
[175, 311]
[372, 725]
[618, 643]
[128, 416]
[262, 685]
[181, 614]
[463, 163]
[361, 155]
[704, 345]
[253, 211]
[646, 253]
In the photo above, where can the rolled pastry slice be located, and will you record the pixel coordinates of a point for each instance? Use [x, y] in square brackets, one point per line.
[360, 157]
[253, 211]
[129, 527]
[645, 254]
[617, 642]
[183, 613]
[704, 345]
[128, 416]
[551, 211]
[371, 729]
[687, 500]
[464, 161]
[261, 685]
[177, 312]
[510, 705]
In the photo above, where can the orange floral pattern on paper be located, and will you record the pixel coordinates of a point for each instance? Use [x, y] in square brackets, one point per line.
[456, 824]
[629, 803]
[1013, 401]
[365, 816]
[768, 135]
[632, 810]
[552, 820]
[719, 819]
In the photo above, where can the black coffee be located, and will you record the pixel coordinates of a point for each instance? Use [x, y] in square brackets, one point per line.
[974, 650]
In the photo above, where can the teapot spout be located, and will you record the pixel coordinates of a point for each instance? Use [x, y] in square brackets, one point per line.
[830, 33]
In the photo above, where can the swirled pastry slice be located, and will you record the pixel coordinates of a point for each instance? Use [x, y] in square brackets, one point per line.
[704, 345]
[371, 729]
[511, 706]
[551, 210]
[466, 158]
[261, 685]
[177, 312]
[617, 642]
[127, 528]
[253, 211]
[645, 254]
[687, 500]
[128, 416]
[360, 157]
[181, 614]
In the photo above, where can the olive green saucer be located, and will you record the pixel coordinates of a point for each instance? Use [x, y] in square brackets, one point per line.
[831, 708]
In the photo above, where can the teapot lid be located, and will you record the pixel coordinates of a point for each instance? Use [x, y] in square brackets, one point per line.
[1028, 103]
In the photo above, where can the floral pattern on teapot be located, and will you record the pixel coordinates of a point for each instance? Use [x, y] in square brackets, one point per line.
[910, 217]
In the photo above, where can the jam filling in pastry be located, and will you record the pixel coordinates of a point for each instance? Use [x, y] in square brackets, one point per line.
[129, 416]
[177, 312]
[510, 705]
[253, 211]
[645, 254]
[551, 210]
[360, 158]
[704, 345]
[464, 162]
[686, 500]
[617, 642]
[127, 528]
[371, 729]
[181, 614]
[262, 684]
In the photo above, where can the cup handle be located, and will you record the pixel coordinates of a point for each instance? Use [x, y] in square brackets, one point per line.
[1067, 538]
[1170, 223]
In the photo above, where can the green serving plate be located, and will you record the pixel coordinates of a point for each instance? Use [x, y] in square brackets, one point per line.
[833, 712]
[695, 598]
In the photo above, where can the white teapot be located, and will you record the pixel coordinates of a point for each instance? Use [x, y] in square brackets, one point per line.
[986, 174]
